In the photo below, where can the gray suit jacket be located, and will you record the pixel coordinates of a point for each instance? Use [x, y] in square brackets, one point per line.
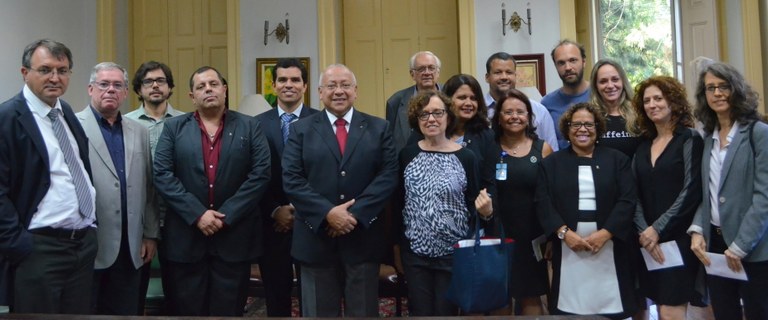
[143, 220]
[397, 115]
[743, 198]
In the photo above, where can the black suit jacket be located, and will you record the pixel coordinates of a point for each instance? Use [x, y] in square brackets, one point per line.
[25, 171]
[274, 196]
[241, 178]
[25, 176]
[316, 178]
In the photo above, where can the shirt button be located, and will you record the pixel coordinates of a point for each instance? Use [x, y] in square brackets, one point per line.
[210, 166]
[211, 148]
[341, 197]
[210, 186]
[722, 199]
[210, 205]
[343, 173]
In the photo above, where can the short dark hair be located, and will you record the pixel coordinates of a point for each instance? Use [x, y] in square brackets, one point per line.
[201, 70]
[530, 129]
[416, 106]
[677, 101]
[566, 42]
[480, 120]
[743, 100]
[145, 68]
[57, 49]
[503, 56]
[565, 119]
[286, 63]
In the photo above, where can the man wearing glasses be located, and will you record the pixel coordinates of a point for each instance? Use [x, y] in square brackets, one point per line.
[153, 83]
[424, 67]
[47, 210]
[125, 206]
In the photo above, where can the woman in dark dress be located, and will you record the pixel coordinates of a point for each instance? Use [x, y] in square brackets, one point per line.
[585, 194]
[612, 94]
[520, 151]
[668, 169]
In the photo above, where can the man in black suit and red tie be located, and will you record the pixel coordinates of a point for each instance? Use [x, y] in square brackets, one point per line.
[47, 201]
[289, 80]
[211, 168]
[339, 170]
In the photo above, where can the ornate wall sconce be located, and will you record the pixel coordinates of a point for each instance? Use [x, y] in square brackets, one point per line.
[515, 21]
[281, 31]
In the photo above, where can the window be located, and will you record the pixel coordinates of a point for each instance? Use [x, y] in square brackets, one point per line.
[640, 35]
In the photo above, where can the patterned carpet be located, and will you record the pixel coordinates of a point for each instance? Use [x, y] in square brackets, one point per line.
[257, 308]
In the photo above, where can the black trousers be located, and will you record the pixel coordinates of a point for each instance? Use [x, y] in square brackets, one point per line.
[276, 267]
[323, 287]
[57, 276]
[116, 289]
[726, 294]
[209, 287]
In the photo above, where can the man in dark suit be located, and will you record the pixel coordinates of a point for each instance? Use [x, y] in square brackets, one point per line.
[289, 80]
[211, 167]
[425, 71]
[47, 203]
[339, 169]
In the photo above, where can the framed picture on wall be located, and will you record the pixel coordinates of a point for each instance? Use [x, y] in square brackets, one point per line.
[530, 71]
[264, 79]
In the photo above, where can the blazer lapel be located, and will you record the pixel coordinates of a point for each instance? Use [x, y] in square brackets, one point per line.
[324, 130]
[733, 149]
[705, 159]
[27, 120]
[356, 131]
[227, 138]
[128, 144]
[93, 131]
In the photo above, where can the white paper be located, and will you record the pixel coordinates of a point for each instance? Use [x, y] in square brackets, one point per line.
[718, 266]
[537, 243]
[483, 242]
[672, 256]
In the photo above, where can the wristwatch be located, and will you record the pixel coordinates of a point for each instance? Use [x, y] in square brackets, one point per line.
[561, 233]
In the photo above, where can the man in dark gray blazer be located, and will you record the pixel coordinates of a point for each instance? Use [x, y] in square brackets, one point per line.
[211, 167]
[424, 68]
[339, 169]
[289, 80]
[44, 212]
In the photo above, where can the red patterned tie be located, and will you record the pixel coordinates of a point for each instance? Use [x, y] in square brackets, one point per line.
[341, 133]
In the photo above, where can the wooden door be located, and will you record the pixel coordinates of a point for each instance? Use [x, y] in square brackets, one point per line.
[700, 38]
[185, 35]
[381, 35]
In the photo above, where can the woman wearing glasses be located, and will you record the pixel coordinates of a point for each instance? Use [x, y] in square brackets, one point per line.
[519, 153]
[612, 94]
[441, 195]
[667, 165]
[585, 195]
[732, 219]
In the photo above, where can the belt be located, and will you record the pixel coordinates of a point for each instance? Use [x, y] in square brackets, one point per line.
[71, 234]
[717, 230]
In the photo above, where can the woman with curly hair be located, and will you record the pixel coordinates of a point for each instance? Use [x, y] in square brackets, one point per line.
[612, 94]
[732, 219]
[667, 166]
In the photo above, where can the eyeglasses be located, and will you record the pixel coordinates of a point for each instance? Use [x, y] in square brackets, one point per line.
[515, 113]
[104, 85]
[424, 116]
[343, 86]
[149, 82]
[45, 71]
[422, 69]
[577, 125]
[724, 88]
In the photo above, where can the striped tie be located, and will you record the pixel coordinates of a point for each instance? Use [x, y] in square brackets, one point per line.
[84, 199]
[285, 124]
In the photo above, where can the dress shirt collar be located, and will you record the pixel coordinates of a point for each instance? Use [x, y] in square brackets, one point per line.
[296, 112]
[332, 117]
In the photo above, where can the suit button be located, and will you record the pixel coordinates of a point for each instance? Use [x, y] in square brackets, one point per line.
[722, 199]
[117, 185]
[341, 197]
[343, 173]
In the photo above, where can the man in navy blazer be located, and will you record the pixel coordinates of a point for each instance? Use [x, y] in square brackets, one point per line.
[211, 167]
[44, 213]
[289, 80]
[339, 170]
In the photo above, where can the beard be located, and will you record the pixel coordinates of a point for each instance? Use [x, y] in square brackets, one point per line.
[575, 82]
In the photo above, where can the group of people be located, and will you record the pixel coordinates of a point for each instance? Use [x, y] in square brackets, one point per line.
[589, 178]
[629, 172]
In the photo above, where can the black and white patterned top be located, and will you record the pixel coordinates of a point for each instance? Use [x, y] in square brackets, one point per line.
[439, 192]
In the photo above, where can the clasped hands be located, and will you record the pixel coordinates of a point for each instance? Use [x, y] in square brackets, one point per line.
[649, 239]
[340, 220]
[211, 222]
[591, 243]
[699, 248]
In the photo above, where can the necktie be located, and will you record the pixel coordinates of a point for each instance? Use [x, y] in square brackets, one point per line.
[82, 191]
[341, 133]
[285, 124]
